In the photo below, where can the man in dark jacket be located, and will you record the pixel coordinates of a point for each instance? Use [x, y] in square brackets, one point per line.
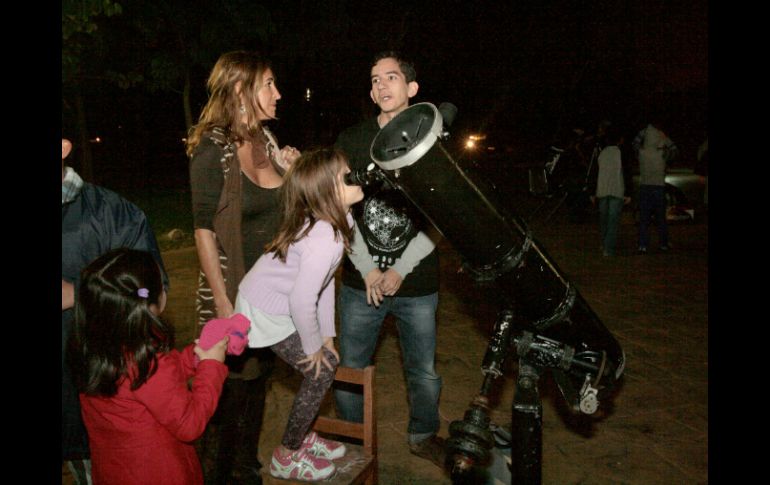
[94, 220]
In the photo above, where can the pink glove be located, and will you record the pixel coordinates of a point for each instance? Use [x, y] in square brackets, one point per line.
[236, 326]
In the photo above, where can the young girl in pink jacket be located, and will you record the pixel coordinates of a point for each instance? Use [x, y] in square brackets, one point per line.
[289, 297]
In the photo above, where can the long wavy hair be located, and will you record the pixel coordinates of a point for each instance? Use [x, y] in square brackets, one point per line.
[310, 193]
[223, 106]
[116, 335]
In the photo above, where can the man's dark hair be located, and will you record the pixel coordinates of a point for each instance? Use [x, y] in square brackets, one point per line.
[407, 67]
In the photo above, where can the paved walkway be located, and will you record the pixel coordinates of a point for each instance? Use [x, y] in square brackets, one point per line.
[654, 432]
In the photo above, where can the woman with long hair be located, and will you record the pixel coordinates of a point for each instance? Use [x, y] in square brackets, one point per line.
[236, 170]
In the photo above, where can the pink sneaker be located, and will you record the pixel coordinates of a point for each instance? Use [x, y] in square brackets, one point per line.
[300, 465]
[323, 448]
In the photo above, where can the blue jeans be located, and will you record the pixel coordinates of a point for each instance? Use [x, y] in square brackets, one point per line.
[360, 326]
[609, 221]
[652, 201]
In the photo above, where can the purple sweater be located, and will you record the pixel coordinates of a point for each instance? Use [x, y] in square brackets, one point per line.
[302, 287]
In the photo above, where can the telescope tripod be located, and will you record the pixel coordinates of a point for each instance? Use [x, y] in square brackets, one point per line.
[471, 440]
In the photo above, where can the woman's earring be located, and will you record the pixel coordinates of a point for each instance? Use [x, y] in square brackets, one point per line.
[243, 109]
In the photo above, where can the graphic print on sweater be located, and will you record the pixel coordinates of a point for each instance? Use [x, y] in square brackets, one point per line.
[387, 231]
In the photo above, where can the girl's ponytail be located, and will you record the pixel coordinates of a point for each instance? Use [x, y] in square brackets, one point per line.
[116, 333]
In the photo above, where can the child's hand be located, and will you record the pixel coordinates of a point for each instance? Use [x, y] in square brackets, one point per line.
[315, 360]
[329, 344]
[216, 352]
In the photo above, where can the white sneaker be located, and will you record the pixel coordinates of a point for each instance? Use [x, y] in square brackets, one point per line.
[301, 465]
[323, 448]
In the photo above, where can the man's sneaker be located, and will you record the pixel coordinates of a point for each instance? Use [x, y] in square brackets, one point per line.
[432, 449]
[664, 248]
[642, 250]
[300, 465]
[323, 448]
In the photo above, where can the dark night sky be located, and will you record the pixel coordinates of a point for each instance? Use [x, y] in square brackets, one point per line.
[521, 70]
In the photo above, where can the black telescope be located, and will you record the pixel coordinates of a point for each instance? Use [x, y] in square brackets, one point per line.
[369, 175]
[543, 318]
[363, 177]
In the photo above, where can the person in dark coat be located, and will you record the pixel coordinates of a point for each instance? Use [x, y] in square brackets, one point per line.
[94, 220]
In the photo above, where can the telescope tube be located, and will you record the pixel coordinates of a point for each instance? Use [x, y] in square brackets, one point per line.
[498, 248]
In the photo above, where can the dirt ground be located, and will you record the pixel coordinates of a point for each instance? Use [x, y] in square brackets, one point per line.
[654, 431]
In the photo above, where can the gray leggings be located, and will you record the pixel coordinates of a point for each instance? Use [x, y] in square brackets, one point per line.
[311, 392]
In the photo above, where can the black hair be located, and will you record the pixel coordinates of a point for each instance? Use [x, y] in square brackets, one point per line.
[613, 135]
[406, 66]
[116, 335]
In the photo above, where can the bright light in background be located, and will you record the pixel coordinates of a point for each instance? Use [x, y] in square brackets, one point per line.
[470, 143]
[308, 94]
[96, 140]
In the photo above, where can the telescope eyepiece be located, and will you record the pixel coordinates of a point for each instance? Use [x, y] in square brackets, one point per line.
[362, 176]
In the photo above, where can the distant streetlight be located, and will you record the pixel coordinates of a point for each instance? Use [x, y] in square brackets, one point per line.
[470, 143]
[308, 94]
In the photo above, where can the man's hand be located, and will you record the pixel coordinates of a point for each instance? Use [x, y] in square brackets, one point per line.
[626, 200]
[390, 282]
[374, 294]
